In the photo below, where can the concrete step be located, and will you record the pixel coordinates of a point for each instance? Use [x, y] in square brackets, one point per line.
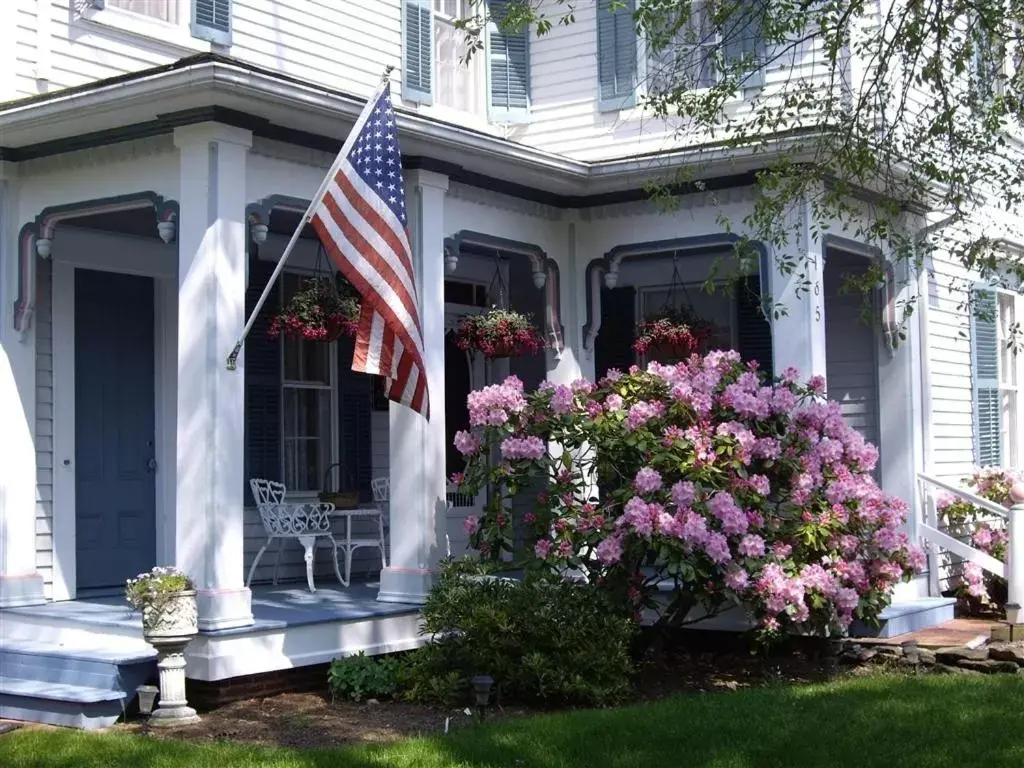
[97, 667]
[906, 616]
[74, 706]
[76, 686]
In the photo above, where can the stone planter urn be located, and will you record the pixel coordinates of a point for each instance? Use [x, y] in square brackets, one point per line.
[169, 623]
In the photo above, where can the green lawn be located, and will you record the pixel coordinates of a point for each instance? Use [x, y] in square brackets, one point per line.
[895, 722]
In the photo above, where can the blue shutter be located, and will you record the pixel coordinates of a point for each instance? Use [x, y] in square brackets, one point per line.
[616, 55]
[211, 20]
[418, 51]
[355, 409]
[262, 383]
[753, 331]
[742, 37]
[508, 67]
[985, 375]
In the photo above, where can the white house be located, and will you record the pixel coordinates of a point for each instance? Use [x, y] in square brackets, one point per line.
[155, 155]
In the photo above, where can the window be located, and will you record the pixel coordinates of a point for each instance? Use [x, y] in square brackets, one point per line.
[309, 384]
[682, 54]
[459, 85]
[206, 20]
[996, 374]
[688, 59]
[165, 10]
[494, 82]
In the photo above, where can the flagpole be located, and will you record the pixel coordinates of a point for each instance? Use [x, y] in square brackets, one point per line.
[232, 359]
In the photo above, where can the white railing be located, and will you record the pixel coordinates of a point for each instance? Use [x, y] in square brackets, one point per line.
[932, 537]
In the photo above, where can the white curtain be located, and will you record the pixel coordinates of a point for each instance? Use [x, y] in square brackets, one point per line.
[165, 10]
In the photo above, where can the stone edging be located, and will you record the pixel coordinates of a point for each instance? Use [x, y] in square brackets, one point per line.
[1005, 658]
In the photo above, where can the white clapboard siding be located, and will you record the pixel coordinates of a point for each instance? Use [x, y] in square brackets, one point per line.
[949, 352]
[44, 425]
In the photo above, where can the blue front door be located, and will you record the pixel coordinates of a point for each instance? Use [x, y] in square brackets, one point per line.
[115, 500]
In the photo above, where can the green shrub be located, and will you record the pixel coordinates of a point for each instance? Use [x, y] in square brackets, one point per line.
[541, 641]
[360, 676]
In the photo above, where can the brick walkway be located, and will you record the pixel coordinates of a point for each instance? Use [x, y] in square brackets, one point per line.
[955, 632]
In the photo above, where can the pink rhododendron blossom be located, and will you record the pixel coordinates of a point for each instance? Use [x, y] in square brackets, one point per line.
[613, 403]
[609, 551]
[736, 579]
[542, 548]
[639, 414]
[562, 400]
[647, 480]
[683, 493]
[751, 545]
[471, 524]
[466, 442]
[514, 448]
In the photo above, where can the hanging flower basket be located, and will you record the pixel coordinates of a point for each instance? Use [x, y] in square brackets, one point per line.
[319, 311]
[672, 334]
[499, 333]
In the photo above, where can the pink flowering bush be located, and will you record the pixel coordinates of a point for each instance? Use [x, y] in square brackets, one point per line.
[983, 530]
[728, 489]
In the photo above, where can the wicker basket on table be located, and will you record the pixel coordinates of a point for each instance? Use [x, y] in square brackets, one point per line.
[340, 499]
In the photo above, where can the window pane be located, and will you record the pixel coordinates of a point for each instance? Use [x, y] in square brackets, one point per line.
[307, 437]
[1007, 354]
[165, 10]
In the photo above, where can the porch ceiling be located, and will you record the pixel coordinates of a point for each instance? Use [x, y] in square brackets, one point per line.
[210, 87]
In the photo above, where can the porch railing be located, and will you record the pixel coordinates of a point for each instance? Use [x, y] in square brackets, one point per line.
[932, 537]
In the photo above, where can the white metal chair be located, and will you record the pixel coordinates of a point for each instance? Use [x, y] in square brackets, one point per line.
[282, 520]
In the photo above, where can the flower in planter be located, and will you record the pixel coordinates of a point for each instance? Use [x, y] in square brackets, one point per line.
[318, 312]
[150, 587]
[499, 333]
[671, 334]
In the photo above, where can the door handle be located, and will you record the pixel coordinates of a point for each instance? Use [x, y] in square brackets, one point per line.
[151, 465]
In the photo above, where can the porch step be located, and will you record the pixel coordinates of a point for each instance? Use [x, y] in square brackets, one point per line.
[907, 616]
[80, 687]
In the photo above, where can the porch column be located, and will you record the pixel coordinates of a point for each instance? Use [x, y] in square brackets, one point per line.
[797, 283]
[209, 532]
[417, 463]
[20, 582]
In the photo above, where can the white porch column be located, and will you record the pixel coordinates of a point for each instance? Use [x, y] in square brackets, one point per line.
[211, 312]
[797, 282]
[417, 466]
[20, 582]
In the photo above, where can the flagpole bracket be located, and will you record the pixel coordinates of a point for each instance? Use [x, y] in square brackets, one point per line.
[232, 362]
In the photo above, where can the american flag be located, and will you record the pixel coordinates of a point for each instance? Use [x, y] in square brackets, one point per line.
[361, 221]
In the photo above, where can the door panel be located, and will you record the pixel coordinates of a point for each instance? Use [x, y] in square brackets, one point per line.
[115, 498]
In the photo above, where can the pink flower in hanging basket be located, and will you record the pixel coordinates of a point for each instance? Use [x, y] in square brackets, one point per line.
[671, 334]
[318, 311]
[499, 333]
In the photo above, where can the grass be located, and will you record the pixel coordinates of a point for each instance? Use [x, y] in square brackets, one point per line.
[890, 721]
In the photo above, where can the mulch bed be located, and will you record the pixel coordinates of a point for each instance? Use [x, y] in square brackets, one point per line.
[708, 662]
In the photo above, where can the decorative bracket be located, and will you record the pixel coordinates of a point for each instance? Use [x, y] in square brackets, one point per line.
[36, 239]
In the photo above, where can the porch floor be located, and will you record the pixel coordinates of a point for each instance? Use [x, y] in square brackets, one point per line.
[273, 607]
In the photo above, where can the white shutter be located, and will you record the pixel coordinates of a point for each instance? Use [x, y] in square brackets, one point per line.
[985, 378]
